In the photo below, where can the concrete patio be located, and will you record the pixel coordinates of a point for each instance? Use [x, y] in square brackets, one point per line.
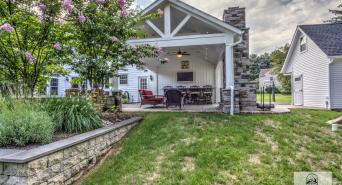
[160, 108]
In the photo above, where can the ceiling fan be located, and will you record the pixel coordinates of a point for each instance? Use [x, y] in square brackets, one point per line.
[181, 53]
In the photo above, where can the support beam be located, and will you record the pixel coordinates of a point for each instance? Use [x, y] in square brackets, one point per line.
[155, 28]
[229, 60]
[180, 25]
[167, 20]
[190, 40]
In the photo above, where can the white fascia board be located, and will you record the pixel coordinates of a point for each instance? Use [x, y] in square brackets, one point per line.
[289, 54]
[192, 40]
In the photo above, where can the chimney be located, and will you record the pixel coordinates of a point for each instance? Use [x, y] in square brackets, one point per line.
[236, 17]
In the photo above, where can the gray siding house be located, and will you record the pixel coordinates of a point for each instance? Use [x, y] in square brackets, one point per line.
[314, 62]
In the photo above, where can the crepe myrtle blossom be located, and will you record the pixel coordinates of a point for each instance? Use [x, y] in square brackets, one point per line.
[158, 50]
[42, 7]
[114, 39]
[164, 61]
[57, 46]
[122, 3]
[101, 1]
[81, 18]
[160, 12]
[123, 13]
[29, 57]
[7, 28]
[67, 5]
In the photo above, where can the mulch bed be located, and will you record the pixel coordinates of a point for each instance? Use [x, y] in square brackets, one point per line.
[113, 118]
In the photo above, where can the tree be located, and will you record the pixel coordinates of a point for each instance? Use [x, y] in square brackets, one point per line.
[99, 33]
[278, 57]
[338, 14]
[28, 33]
[257, 63]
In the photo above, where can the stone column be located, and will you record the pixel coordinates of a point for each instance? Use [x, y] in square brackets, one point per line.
[246, 90]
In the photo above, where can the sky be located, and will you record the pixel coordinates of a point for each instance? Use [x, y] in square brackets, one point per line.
[272, 23]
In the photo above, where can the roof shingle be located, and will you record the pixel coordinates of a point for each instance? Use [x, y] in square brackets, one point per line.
[328, 37]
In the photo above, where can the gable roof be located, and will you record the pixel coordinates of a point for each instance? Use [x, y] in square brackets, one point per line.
[328, 37]
[196, 12]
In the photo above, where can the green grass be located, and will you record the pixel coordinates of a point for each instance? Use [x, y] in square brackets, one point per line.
[196, 149]
[280, 98]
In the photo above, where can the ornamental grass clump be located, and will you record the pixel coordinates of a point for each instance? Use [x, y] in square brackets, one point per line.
[73, 115]
[21, 124]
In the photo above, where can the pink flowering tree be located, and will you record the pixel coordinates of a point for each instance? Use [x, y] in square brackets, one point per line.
[29, 30]
[100, 30]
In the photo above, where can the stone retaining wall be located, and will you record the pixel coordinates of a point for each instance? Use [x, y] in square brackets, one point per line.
[62, 162]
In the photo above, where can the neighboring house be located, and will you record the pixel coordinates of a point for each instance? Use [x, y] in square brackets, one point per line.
[266, 78]
[202, 50]
[315, 63]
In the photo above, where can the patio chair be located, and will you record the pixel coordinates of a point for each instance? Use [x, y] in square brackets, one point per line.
[147, 98]
[195, 93]
[174, 97]
[208, 93]
[166, 88]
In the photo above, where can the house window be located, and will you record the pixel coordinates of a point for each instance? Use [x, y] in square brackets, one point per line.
[123, 78]
[74, 83]
[54, 87]
[298, 79]
[303, 44]
[143, 83]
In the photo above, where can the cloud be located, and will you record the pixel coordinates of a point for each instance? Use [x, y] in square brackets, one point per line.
[272, 22]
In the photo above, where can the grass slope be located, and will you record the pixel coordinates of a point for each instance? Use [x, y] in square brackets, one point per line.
[189, 148]
[280, 98]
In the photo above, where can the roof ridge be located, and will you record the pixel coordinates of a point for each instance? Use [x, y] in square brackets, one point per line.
[320, 24]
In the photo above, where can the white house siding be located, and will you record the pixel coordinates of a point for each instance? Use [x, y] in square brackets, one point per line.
[165, 74]
[204, 72]
[336, 84]
[313, 64]
[133, 75]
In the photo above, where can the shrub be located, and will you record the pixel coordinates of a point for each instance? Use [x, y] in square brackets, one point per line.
[22, 124]
[72, 115]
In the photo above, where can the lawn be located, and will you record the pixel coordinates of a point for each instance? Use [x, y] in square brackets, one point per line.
[280, 98]
[193, 148]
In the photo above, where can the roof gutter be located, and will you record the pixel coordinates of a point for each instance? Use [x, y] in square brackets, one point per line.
[335, 57]
[232, 87]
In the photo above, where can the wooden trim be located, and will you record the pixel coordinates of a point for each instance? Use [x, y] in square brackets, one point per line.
[191, 40]
[180, 25]
[155, 28]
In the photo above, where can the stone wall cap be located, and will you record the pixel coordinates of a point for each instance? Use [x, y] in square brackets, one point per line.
[35, 153]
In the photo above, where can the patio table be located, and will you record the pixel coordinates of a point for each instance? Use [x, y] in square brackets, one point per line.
[204, 93]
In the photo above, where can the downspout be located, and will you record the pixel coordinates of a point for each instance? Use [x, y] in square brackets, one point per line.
[232, 87]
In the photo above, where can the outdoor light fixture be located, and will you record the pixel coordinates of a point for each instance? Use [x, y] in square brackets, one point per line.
[179, 54]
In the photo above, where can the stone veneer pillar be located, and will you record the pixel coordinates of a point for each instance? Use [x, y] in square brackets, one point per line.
[245, 90]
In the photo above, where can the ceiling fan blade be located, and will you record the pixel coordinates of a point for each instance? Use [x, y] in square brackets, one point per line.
[186, 54]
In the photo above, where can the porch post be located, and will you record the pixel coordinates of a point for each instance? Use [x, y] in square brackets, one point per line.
[229, 61]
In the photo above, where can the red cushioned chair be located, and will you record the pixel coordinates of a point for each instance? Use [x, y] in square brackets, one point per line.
[147, 98]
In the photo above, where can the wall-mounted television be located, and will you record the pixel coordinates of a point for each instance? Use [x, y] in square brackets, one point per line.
[185, 76]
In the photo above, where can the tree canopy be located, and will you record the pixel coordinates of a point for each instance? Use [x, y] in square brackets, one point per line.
[337, 14]
[278, 58]
[258, 62]
[38, 37]
[27, 33]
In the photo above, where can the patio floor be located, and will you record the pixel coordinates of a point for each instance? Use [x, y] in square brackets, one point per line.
[161, 108]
